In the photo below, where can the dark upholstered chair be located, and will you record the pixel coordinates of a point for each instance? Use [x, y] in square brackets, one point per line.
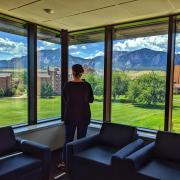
[159, 160]
[22, 159]
[90, 158]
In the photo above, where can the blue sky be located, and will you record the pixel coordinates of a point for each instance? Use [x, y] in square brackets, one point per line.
[87, 51]
[16, 46]
[12, 46]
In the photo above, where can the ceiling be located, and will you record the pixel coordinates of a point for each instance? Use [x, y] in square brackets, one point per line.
[81, 14]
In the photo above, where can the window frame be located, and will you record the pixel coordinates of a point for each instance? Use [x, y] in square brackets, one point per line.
[32, 68]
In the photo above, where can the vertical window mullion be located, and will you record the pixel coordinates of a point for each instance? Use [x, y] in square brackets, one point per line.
[64, 64]
[32, 73]
[169, 76]
[107, 74]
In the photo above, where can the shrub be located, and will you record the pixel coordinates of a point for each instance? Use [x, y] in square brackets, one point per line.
[46, 90]
[96, 82]
[2, 92]
[120, 82]
[147, 89]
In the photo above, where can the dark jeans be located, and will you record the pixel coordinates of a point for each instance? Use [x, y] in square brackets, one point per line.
[69, 135]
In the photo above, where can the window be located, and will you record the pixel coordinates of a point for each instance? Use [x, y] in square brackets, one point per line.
[13, 73]
[176, 83]
[48, 74]
[87, 49]
[139, 74]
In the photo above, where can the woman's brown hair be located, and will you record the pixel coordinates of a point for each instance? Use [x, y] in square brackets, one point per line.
[77, 70]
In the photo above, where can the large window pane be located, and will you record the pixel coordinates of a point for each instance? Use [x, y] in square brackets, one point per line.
[48, 74]
[87, 49]
[139, 74]
[13, 73]
[176, 91]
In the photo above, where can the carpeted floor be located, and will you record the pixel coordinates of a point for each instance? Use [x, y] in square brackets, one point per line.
[55, 172]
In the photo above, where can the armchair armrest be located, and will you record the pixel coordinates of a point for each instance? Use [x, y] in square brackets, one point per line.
[141, 156]
[129, 149]
[39, 151]
[76, 147]
[18, 144]
[81, 144]
[118, 164]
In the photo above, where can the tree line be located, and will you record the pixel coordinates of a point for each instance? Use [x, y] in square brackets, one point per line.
[148, 88]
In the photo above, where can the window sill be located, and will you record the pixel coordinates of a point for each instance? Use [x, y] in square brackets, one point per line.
[95, 125]
[31, 128]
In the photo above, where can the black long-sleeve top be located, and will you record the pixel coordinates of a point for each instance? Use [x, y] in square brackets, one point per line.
[77, 96]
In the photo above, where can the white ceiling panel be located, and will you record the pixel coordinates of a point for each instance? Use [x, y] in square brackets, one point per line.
[56, 24]
[149, 7]
[63, 8]
[80, 14]
[175, 3]
[11, 4]
[96, 18]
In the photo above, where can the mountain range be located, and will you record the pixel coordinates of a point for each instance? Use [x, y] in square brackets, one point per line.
[142, 59]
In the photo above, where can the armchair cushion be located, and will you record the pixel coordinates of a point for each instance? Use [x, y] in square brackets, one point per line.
[14, 167]
[90, 169]
[99, 153]
[92, 163]
[167, 146]
[40, 152]
[7, 140]
[161, 169]
[116, 135]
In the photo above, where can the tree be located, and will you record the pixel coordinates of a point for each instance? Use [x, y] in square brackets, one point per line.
[147, 89]
[90, 78]
[120, 82]
[46, 90]
[96, 82]
[2, 93]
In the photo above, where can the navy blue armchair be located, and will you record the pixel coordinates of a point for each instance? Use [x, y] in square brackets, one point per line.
[159, 160]
[90, 158]
[22, 159]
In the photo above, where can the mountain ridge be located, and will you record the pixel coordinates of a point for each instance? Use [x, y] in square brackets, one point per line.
[141, 59]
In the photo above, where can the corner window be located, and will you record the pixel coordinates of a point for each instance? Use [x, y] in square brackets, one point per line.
[139, 73]
[48, 74]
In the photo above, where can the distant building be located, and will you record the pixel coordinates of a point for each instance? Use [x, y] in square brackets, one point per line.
[177, 77]
[5, 80]
[42, 77]
[88, 69]
[55, 76]
[52, 77]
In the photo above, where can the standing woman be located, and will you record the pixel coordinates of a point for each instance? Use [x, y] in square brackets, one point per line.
[77, 94]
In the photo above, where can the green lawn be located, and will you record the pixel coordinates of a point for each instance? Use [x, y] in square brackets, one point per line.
[14, 111]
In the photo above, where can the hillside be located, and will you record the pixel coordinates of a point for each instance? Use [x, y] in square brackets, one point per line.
[142, 59]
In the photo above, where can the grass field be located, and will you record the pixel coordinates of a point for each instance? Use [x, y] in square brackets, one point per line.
[14, 111]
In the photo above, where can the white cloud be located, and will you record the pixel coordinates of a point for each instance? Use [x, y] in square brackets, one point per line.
[99, 53]
[158, 43]
[73, 47]
[76, 53]
[83, 47]
[40, 48]
[49, 44]
[89, 57]
[13, 48]
[54, 48]
[178, 40]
